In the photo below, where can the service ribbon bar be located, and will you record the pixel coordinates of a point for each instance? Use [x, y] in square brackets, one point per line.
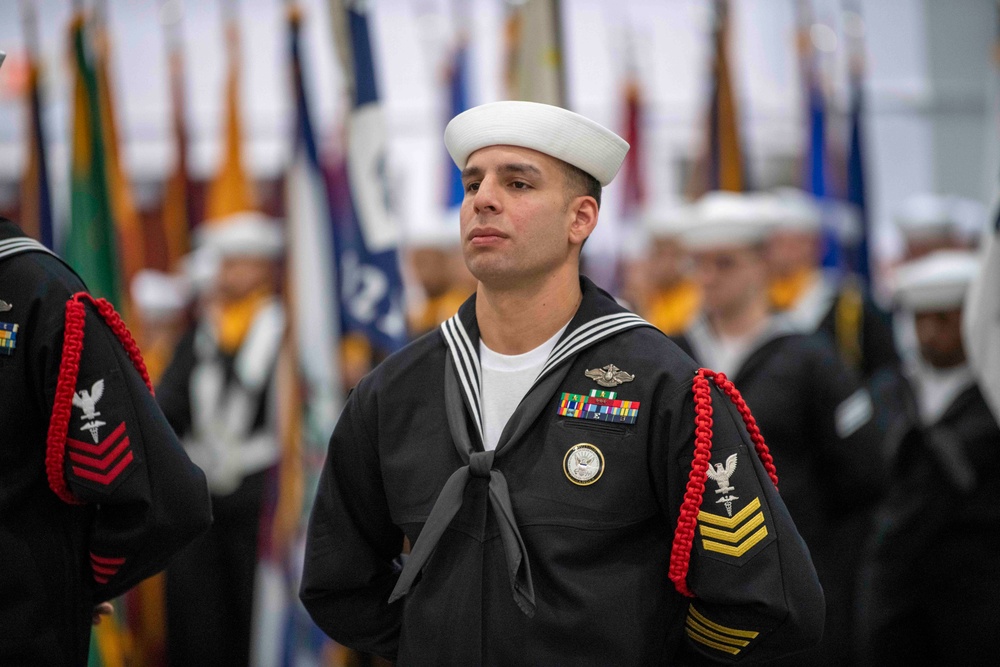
[598, 408]
[8, 338]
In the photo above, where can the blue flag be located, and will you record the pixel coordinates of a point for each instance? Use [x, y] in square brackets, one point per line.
[858, 260]
[366, 236]
[459, 102]
[814, 170]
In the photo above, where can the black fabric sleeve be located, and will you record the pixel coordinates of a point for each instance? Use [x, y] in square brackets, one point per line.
[352, 546]
[122, 456]
[757, 595]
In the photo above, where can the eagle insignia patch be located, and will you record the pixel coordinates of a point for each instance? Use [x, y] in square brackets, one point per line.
[745, 527]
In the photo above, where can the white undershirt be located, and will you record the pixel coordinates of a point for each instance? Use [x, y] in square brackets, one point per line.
[937, 389]
[506, 379]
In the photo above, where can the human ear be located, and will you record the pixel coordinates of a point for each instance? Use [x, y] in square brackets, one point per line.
[584, 218]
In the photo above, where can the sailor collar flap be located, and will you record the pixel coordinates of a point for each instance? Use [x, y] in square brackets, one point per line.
[597, 318]
[15, 245]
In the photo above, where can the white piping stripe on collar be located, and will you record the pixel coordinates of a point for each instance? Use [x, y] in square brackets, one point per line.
[466, 363]
[18, 245]
[593, 331]
[466, 356]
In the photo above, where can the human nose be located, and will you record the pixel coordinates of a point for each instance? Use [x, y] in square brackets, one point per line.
[485, 197]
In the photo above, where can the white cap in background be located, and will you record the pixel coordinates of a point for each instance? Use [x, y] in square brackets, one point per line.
[935, 282]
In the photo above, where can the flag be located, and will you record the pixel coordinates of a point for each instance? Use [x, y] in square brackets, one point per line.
[815, 171]
[633, 183]
[177, 216]
[232, 190]
[858, 260]
[458, 101]
[91, 247]
[720, 165]
[534, 69]
[131, 240]
[308, 390]
[36, 200]
[366, 236]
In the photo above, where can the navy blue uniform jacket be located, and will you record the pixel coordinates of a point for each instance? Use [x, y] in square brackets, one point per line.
[140, 497]
[584, 581]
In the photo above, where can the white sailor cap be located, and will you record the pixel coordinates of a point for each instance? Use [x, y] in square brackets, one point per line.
[926, 216]
[669, 221]
[159, 295]
[795, 210]
[938, 281]
[547, 129]
[243, 234]
[724, 219]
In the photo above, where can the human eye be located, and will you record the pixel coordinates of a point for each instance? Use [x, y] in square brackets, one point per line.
[519, 185]
[472, 186]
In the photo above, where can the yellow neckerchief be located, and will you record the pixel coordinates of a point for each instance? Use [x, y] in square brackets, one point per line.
[234, 319]
[672, 309]
[437, 310]
[785, 292]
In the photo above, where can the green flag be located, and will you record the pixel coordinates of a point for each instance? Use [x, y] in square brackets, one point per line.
[91, 246]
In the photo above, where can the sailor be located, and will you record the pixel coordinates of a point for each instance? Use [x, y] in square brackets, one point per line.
[675, 298]
[435, 259]
[810, 406]
[96, 492]
[931, 579]
[816, 300]
[217, 393]
[537, 451]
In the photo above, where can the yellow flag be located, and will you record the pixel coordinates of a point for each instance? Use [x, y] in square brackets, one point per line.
[231, 191]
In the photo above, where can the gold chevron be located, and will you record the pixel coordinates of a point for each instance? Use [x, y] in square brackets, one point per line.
[730, 536]
[709, 643]
[702, 630]
[748, 634]
[736, 552]
[737, 518]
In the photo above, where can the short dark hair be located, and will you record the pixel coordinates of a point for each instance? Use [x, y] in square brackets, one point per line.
[579, 182]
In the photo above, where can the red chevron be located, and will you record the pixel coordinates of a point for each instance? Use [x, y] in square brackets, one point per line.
[99, 448]
[103, 462]
[106, 478]
[102, 573]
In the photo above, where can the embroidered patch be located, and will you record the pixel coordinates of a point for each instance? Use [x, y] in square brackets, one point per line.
[733, 536]
[583, 464]
[87, 400]
[715, 635]
[8, 338]
[104, 462]
[600, 408]
[104, 567]
[4, 306]
[721, 474]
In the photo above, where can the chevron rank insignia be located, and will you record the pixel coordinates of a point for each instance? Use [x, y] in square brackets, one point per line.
[715, 636]
[104, 464]
[105, 567]
[8, 338]
[599, 406]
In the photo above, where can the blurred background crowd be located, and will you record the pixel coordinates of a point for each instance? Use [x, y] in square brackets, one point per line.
[260, 186]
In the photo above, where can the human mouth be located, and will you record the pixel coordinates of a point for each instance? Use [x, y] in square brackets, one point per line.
[485, 236]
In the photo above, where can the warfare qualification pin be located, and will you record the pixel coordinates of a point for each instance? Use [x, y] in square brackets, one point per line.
[609, 376]
[583, 464]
